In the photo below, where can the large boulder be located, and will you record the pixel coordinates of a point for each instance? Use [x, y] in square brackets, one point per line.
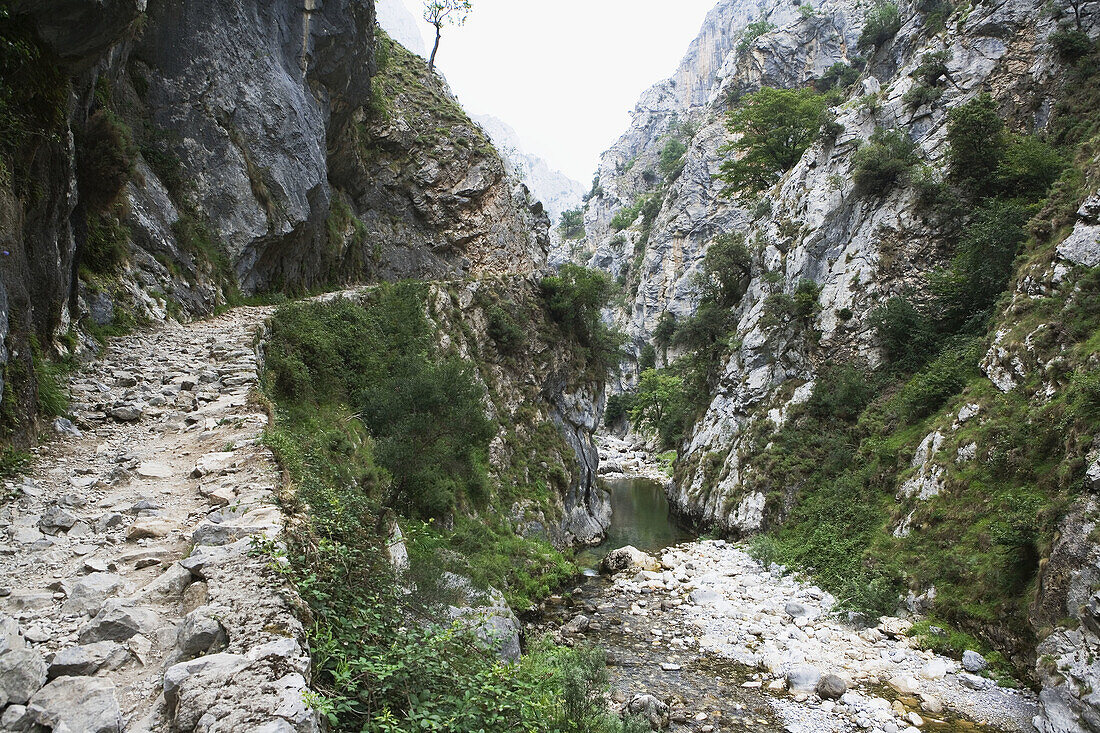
[89, 593]
[22, 673]
[84, 704]
[119, 621]
[629, 558]
[76, 661]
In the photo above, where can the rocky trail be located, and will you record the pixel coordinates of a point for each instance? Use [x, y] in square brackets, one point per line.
[131, 598]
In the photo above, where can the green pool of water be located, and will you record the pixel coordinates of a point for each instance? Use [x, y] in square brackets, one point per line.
[639, 517]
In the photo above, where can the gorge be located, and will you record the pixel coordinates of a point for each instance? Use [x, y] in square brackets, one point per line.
[312, 415]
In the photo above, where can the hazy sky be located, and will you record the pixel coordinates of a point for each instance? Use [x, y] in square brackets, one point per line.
[565, 73]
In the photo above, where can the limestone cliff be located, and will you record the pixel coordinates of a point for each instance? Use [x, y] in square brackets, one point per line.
[650, 225]
[185, 156]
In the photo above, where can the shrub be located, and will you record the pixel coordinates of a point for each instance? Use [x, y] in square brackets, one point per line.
[726, 268]
[933, 66]
[882, 23]
[104, 248]
[664, 330]
[938, 382]
[618, 408]
[839, 76]
[752, 32]
[503, 329]
[1028, 168]
[980, 269]
[798, 308]
[1071, 44]
[105, 160]
[921, 94]
[573, 299]
[775, 127]
[424, 411]
[976, 139]
[647, 359]
[671, 162]
[659, 406]
[907, 335]
[883, 162]
[626, 216]
[53, 394]
[34, 90]
[572, 224]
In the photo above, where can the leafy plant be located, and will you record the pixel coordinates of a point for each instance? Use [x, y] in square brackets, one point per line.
[882, 23]
[885, 161]
[572, 224]
[775, 127]
[752, 32]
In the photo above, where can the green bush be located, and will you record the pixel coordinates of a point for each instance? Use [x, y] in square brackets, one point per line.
[53, 393]
[933, 66]
[105, 160]
[104, 248]
[942, 379]
[882, 23]
[574, 298]
[572, 224]
[626, 216]
[752, 32]
[618, 408]
[1028, 167]
[425, 411]
[907, 335]
[726, 268]
[775, 126]
[503, 329]
[671, 162]
[883, 162]
[647, 358]
[983, 262]
[660, 406]
[976, 139]
[839, 76]
[1071, 44]
[798, 308]
[921, 94]
[664, 330]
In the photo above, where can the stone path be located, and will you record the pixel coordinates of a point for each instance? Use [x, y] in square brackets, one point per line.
[710, 600]
[130, 598]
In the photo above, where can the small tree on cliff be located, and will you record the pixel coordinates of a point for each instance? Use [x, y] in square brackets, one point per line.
[444, 12]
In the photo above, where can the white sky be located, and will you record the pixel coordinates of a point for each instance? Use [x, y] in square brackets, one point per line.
[565, 73]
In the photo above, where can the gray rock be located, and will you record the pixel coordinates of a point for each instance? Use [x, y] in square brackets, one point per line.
[108, 521]
[974, 682]
[803, 678]
[10, 636]
[795, 610]
[22, 673]
[64, 426]
[126, 413]
[84, 704]
[56, 520]
[831, 687]
[216, 535]
[15, 719]
[118, 621]
[89, 593]
[651, 709]
[1092, 475]
[216, 666]
[705, 596]
[77, 661]
[974, 662]
[628, 558]
[577, 625]
[199, 633]
[169, 584]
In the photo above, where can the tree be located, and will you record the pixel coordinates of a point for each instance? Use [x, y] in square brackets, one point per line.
[572, 224]
[659, 405]
[444, 12]
[977, 139]
[775, 128]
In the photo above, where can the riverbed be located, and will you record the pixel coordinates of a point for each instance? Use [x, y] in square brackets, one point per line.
[729, 645]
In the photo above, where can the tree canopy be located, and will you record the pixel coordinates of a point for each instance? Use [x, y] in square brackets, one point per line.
[775, 126]
[444, 12]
